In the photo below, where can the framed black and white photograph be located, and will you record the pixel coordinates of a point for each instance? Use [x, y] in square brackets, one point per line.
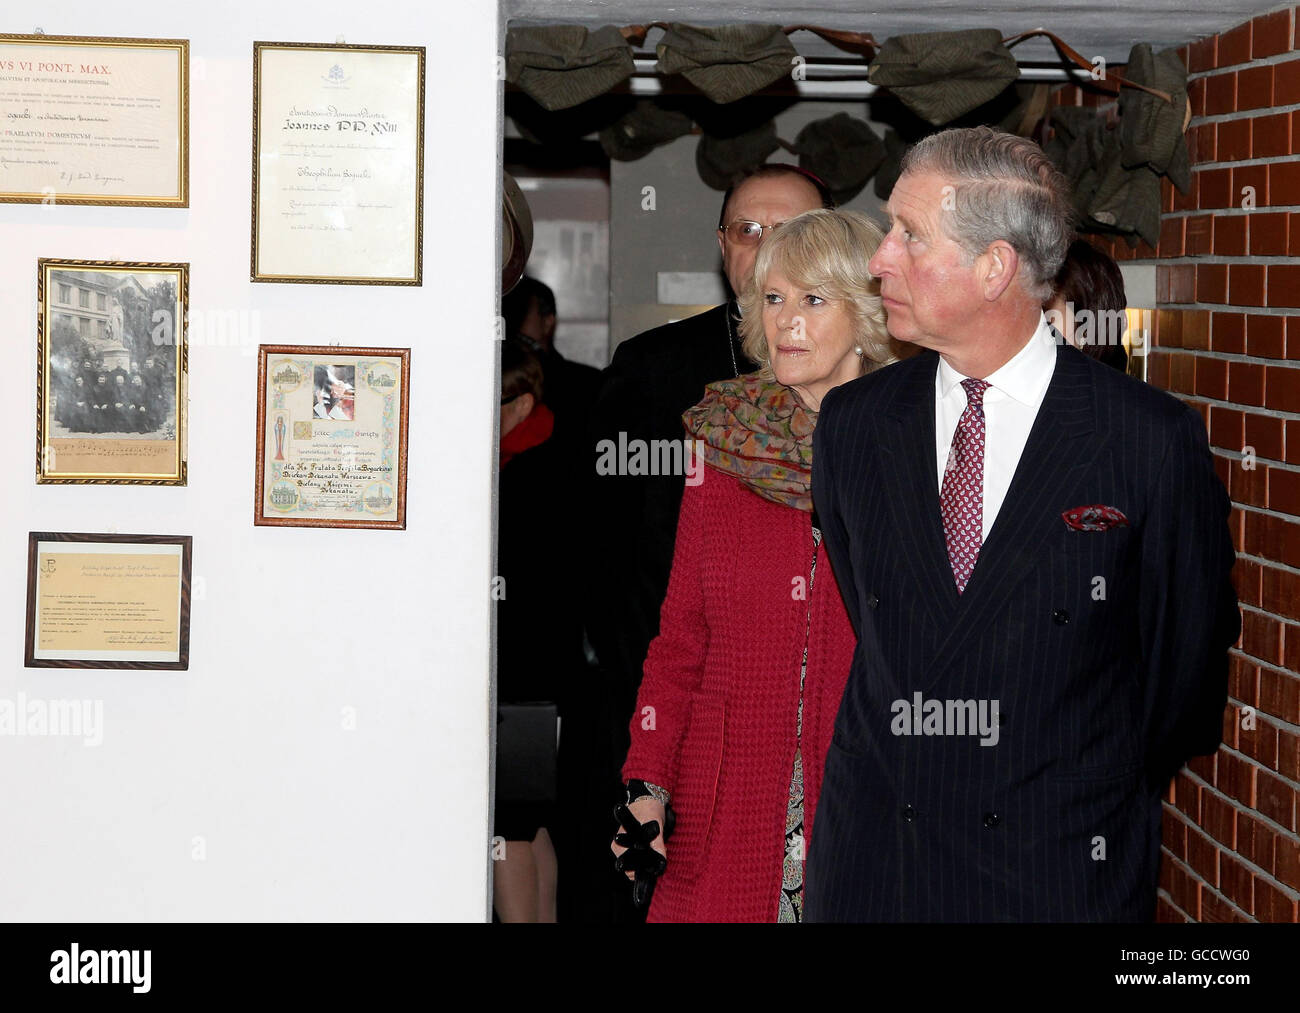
[111, 380]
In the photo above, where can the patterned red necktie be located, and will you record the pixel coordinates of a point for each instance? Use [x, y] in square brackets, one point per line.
[961, 501]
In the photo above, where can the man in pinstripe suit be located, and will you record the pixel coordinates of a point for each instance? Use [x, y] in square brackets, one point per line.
[1034, 551]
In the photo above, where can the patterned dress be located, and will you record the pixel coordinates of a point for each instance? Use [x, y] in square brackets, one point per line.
[790, 908]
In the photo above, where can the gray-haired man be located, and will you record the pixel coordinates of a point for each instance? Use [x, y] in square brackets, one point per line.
[1034, 551]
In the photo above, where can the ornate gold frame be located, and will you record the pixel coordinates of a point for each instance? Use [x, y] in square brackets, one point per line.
[47, 476]
[182, 198]
[418, 278]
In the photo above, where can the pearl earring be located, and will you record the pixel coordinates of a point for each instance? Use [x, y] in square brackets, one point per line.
[858, 349]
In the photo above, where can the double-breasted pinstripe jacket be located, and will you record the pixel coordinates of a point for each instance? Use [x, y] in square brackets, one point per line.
[1103, 654]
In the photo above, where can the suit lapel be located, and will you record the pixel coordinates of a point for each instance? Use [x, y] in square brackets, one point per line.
[714, 359]
[915, 503]
[1056, 457]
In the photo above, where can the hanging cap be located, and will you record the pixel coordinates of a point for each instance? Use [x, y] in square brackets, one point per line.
[1126, 200]
[841, 150]
[726, 62]
[723, 161]
[887, 173]
[516, 233]
[565, 65]
[641, 129]
[1150, 128]
[943, 75]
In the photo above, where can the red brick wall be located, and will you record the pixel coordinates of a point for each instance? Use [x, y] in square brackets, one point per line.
[1227, 340]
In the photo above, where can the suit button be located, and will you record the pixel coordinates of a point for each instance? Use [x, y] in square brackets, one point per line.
[872, 600]
[992, 820]
[1061, 617]
[908, 813]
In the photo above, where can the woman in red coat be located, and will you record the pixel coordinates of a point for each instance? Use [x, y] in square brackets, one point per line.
[741, 687]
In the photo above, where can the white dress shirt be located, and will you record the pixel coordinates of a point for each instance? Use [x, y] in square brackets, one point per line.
[1011, 404]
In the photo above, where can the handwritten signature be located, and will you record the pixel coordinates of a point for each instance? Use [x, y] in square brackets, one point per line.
[70, 176]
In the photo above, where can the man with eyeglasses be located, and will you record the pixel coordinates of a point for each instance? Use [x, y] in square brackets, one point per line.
[655, 377]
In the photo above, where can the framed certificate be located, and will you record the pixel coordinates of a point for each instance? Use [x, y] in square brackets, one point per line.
[338, 163]
[94, 120]
[331, 436]
[111, 377]
[108, 601]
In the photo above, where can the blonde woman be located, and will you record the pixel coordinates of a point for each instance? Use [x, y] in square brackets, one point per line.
[741, 686]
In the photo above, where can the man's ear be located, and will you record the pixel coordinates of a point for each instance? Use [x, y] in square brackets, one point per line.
[514, 412]
[523, 407]
[998, 266]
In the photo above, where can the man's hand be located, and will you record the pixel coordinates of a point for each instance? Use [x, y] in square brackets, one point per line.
[645, 810]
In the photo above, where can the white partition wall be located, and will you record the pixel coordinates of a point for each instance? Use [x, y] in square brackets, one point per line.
[326, 754]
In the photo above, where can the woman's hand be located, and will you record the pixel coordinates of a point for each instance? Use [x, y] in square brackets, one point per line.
[645, 809]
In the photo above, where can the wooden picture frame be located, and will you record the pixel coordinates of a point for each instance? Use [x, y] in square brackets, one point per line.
[108, 601]
[331, 436]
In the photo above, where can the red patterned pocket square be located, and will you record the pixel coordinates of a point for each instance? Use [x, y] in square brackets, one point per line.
[1094, 518]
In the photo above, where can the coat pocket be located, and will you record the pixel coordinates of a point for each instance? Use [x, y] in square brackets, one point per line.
[1100, 773]
[698, 773]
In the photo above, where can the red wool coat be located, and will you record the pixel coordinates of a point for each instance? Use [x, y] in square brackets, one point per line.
[717, 712]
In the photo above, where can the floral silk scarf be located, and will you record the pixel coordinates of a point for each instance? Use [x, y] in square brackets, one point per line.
[757, 431]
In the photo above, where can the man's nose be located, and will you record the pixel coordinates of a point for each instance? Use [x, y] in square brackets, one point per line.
[881, 260]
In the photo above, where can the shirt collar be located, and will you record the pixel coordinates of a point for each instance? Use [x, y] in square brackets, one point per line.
[1023, 377]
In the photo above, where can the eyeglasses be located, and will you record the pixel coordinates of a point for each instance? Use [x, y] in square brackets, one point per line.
[747, 233]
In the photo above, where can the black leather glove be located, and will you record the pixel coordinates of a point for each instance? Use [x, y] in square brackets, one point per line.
[645, 864]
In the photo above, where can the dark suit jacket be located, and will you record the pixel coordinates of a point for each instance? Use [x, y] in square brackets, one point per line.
[539, 631]
[653, 378]
[1106, 651]
[569, 390]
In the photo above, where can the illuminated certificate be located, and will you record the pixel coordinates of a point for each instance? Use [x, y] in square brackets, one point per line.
[331, 436]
